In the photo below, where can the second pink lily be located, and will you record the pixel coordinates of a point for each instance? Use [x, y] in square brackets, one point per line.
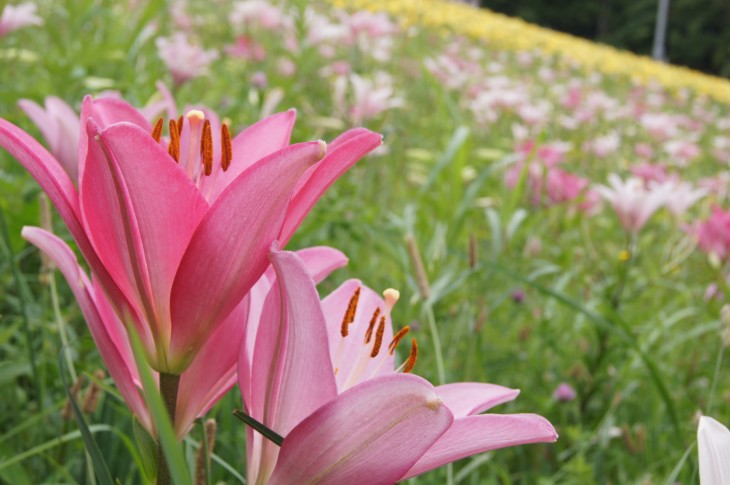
[324, 375]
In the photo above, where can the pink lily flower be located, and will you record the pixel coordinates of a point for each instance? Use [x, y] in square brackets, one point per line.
[213, 371]
[562, 186]
[16, 17]
[713, 234]
[59, 125]
[331, 380]
[175, 271]
[185, 60]
[633, 202]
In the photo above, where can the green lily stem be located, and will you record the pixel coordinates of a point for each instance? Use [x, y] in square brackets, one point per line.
[439, 367]
[61, 324]
[624, 274]
[169, 384]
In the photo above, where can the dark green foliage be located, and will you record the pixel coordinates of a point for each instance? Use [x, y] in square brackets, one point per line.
[698, 35]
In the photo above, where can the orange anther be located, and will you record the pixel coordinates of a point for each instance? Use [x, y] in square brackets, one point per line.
[397, 338]
[206, 148]
[378, 338]
[226, 147]
[371, 326]
[180, 125]
[411, 357]
[174, 148]
[350, 312]
[157, 131]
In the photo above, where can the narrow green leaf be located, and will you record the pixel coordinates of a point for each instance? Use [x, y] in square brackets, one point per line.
[147, 447]
[97, 459]
[265, 431]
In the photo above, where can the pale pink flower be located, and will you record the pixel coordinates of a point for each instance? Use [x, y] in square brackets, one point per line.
[564, 392]
[145, 252]
[713, 450]
[719, 185]
[59, 125]
[369, 97]
[682, 151]
[660, 125]
[325, 373]
[643, 150]
[184, 60]
[650, 172]
[681, 195]
[370, 24]
[713, 234]
[246, 48]
[261, 14]
[259, 80]
[591, 203]
[285, 67]
[604, 145]
[321, 30]
[633, 202]
[561, 186]
[16, 17]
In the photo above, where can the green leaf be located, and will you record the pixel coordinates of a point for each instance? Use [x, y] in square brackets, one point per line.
[147, 447]
[97, 460]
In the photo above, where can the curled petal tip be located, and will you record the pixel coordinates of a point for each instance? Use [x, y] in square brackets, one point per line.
[275, 247]
[323, 149]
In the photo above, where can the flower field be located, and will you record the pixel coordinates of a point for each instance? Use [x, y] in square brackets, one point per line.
[543, 213]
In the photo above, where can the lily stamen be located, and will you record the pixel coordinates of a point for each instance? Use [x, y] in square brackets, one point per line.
[371, 326]
[226, 147]
[157, 131]
[411, 357]
[174, 148]
[206, 148]
[397, 338]
[350, 313]
[378, 338]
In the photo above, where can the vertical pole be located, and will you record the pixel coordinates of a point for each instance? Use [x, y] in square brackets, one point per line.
[658, 51]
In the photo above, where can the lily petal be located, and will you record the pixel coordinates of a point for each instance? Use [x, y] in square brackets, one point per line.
[56, 183]
[485, 432]
[295, 374]
[59, 125]
[212, 372]
[467, 398]
[106, 333]
[319, 262]
[377, 429]
[342, 155]
[713, 440]
[227, 252]
[163, 204]
[105, 112]
[351, 355]
[254, 143]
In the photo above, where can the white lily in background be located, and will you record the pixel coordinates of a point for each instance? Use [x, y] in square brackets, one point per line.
[713, 442]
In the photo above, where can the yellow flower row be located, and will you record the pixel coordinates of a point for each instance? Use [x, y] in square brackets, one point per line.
[515, 34]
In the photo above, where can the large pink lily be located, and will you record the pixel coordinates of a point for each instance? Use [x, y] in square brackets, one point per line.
[174, 237]
[316, 376]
